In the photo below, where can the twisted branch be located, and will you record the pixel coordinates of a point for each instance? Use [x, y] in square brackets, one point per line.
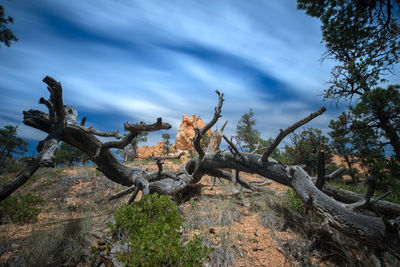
[284, 133]
[201, 133]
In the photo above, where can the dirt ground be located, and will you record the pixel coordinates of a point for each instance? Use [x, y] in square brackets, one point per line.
[77, 198]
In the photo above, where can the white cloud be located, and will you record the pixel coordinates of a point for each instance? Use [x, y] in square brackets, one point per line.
[128, 66]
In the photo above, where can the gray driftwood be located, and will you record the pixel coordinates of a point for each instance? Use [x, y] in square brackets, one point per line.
[60, 125]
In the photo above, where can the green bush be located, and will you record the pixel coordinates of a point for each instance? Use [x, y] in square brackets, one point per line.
[152, 227]
[293, 201]
[20, 209]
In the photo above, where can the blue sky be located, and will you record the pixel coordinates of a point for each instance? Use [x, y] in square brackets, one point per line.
[136, 60]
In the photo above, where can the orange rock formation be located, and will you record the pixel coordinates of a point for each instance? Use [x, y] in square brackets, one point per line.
[147, 152]
[182, 139]
[186, 131]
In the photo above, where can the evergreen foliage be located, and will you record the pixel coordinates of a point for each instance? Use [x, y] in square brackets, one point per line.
[342, 143]
[10, 146]
[246, 135]
[20, 209]
[69, 155]
[304, 148]
[364, 38]
[361, 136]
[152, 229]
[166, 137]
[6, 35]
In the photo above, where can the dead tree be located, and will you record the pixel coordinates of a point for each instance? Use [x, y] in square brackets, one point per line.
[215, 139]
[60, 124]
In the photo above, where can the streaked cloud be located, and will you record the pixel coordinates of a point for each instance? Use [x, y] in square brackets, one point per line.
[138, 60]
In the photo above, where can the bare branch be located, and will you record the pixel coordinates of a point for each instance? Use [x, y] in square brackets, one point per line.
[142, 127]
[55, 90]
[383, 207]
[256, 183]
[134, 194]
[50, 107]
[202, 132]
[135, 129]
[37, 119]
[223, 128]
[169, 157]
[83, 121]
[43, 158]
[233, 148]
[284, 133]
[229, 176]
[122, 193]
[256, 148]
[367, 197]
[119, 144]
[372, 202]
[100, 133]
[335, 174]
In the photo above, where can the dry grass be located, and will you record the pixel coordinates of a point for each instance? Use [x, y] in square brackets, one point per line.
[246, 229]
[71, 221]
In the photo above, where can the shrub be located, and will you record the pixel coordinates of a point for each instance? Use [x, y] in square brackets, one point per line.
[21, 209]
[152, 227]
[293, 201]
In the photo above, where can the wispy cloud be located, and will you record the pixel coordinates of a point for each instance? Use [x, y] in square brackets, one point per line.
[139, 60]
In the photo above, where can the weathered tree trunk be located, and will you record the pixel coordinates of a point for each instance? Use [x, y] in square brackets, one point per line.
[61, 126]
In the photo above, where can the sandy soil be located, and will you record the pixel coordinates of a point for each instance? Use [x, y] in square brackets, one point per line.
[254, 244]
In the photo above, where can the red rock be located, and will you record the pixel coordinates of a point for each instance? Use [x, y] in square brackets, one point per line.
[147, 152]
[186, 132]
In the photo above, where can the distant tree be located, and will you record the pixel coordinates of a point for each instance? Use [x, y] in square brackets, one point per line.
[10, 146]
[246, 135]
[6, 35]
[362, 36]
[129, 153]
[69, 155]
[304, 148]
[166, 137]
[377, 126]
[380, 111]
[342, 143]
[10, 143]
